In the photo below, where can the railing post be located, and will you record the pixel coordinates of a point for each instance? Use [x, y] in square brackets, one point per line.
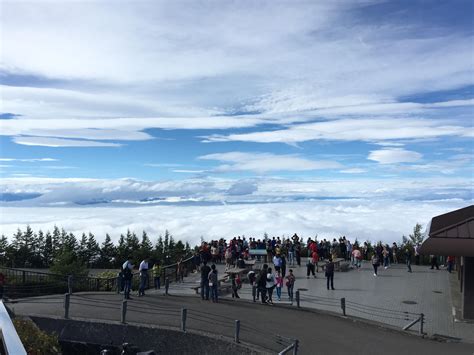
[237, 331]
[295, 348]
[422, 320]
[343, 305]
[183, 319]
[167, 285]
[297, 296]
[67, 297]
[69, 283]
[23, 276]
[124, 312]
[119, 284]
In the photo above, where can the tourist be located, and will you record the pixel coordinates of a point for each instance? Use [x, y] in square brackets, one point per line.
[417, 254]
[278, 284]
[143, 269]
[252, 281]
[434, 262]
[283, 265]
[205, 270]
[234, 278]
[127, 268]
[262, 283]
[180, 270]
[375, 263]
[357, 256]
[213, 283]
[450, 263]
[310, 268]
[291, 254]
[408, 256]
[270, 285]
[394, 253]
[290, 284]
[277, 262]
[386, 255]
[330, 274]
[156, 271]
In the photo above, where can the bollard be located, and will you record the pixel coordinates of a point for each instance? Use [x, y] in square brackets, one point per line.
[123, 317]
[67, 298]
[237, 331]
[343, 306]
[119, 284]
[167, 285]
[69, 283]
[298, 298]
[183, 319]
[422, 320]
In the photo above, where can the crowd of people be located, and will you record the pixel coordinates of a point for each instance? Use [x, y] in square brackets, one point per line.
[279, 257]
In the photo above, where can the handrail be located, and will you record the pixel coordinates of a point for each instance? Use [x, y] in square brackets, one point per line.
[8, 335]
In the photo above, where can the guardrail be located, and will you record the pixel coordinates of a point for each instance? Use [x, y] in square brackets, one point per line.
[10, 340]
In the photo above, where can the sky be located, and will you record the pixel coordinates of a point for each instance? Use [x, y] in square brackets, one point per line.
[216, 119]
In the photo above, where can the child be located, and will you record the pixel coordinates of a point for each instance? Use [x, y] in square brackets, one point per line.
[279, 284]
[290, 284]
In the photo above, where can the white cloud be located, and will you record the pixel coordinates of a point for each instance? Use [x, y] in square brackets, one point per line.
[355, 219]
[353, 171]
[58, 142]
[265, 162]
[377, 129]
[29, 160]
[394, 156]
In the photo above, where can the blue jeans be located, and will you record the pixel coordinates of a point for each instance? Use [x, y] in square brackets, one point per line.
[157, 282]
[291, 257]
[127, 286]
[385, 261]
[143, 284]
[205, 289]
[409, 264]
[290, 292]
[214, 293]
[278, 292]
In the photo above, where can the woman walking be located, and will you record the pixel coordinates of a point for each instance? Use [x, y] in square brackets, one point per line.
[375, 263]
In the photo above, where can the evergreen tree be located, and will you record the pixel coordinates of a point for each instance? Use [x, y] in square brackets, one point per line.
[107, 253]
[122, 251]
[146, 247]
[4, 250]
[159, 247]
[82, 252]
[56, 239]
[48, 250]
[93, 250]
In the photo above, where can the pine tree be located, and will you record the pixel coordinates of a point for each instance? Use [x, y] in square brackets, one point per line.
[93, 250]
[48, 250]
[4, 250]
[56, 239]
[145, 247]
[122, 252]
[159, 248]
[82, 251]
[107, 253]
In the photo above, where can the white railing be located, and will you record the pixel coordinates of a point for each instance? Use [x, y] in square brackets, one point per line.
[10, 340]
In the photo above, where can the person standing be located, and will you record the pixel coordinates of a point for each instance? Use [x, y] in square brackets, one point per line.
[213, 283]
[375, 263]
[408, 257]
[450, 261]
[277, 262]
[205, 270]
[394, 253]
[127, 268]
[270, 285]
[291, 253]
[386, 256]
[290, 284]
[156, 271]
[143, 269]
[252, 281]
[278, 284]
[330, 274]
[283, 265]
[434, 262]
[235, 285]
[262, 283]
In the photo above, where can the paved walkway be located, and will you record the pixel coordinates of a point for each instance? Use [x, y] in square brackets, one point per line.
[317, 332]
[380, 298]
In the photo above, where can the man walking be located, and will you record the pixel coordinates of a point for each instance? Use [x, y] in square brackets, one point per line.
[205, 270]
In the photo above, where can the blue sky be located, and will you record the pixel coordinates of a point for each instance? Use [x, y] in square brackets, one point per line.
[360, 103]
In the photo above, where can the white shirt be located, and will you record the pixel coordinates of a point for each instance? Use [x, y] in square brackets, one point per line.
[127, 264]
[143, 266]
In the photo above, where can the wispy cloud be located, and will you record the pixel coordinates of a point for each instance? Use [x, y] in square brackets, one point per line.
[394, 155]
[265, 162]
[58, 142]
[29, 160]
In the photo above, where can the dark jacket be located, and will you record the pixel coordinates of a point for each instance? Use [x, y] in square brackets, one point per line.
[330, 268]
[205, 270]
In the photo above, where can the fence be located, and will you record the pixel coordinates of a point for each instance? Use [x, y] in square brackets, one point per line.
[182, 318]
[26, 283]
[397, 318]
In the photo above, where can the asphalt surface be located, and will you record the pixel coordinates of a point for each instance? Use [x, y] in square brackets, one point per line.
[317, 332]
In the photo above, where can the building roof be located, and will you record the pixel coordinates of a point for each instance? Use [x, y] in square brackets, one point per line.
[451, 233]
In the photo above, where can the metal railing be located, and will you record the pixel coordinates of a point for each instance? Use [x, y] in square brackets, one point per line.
[10, 340]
